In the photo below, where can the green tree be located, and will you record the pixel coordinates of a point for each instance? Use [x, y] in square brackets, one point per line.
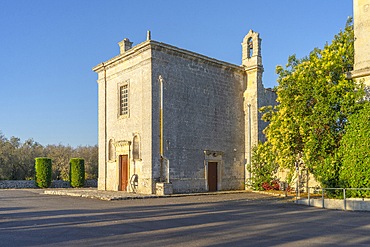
[263, 167]
[17, 158]
[26, 154]
[60, 155]
[355, 152]
[315, 100]
[9, 150]
[4, 157]
[90, 155]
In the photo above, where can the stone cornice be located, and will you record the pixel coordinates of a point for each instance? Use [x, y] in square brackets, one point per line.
[139, 48]
[358, 73]
[151, 44]
[122, 143]
[213, 153]
[254, 67]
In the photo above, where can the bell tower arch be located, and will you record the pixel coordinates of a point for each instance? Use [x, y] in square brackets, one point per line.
[251, 54]
[252, 62]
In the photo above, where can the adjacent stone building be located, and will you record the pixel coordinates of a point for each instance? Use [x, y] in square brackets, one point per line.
[171, 115]
[361, 70]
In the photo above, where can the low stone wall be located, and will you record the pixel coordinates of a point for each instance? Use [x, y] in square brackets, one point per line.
[30, 184]
[351, 204]
[91, 183]
[17, 184]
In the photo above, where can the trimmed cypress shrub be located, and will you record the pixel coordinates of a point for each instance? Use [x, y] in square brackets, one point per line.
[77, 172]
[43, 172]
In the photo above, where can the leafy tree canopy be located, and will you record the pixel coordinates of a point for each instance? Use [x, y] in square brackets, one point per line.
[17, 159]
[315, 100]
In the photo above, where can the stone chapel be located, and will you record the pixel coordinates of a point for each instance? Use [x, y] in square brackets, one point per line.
[171, 116]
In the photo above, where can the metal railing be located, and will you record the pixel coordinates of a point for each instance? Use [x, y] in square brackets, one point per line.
[323, 190]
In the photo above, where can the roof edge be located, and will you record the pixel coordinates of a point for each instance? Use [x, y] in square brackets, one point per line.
[142, 45]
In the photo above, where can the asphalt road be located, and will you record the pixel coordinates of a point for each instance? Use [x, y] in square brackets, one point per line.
[28, 218]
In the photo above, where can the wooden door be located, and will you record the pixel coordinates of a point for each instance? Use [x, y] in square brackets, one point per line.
[212, 176]
[123, 160]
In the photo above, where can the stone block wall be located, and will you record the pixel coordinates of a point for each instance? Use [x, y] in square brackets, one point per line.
[203, 110]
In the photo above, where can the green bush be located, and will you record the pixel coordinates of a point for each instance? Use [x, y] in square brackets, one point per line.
[77, 172]
[43, 172]
[263, 168]
[355, 152]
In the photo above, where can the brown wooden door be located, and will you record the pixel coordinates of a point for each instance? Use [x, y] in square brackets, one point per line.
[123, 160]
[212, 176]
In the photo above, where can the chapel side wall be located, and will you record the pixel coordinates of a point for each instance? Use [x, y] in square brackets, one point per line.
[133, 69]
[203, 110]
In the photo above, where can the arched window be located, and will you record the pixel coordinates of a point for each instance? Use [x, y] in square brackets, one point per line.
[136, 148]
[250, 47]
[111, 150]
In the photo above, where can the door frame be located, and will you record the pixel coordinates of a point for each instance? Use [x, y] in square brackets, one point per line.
[217, 157]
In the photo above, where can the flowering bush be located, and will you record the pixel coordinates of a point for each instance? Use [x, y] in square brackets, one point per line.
[273, 185]
[263, 167]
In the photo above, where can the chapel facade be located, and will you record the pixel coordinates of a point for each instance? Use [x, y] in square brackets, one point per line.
[170, 115]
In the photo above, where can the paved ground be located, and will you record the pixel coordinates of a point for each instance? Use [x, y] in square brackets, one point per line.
[28, 218]
[121, 195]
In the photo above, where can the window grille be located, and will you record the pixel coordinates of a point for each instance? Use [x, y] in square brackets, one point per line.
[124, 107]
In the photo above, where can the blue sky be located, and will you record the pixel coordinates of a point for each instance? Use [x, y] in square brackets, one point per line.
[47, 48]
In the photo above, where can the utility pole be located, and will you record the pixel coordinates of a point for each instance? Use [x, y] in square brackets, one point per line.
[298, 193]
[250, 141]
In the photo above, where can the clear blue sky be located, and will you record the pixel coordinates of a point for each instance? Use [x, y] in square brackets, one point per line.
[47, 49]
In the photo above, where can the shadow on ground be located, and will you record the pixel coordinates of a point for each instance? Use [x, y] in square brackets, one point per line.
[217, 220]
